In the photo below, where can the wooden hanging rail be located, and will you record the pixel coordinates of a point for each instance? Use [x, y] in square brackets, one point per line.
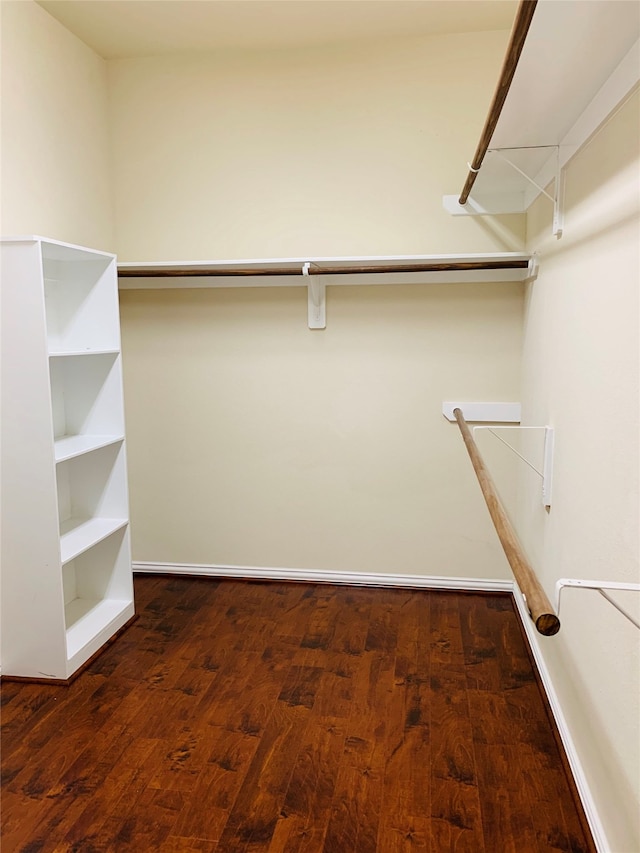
[514, 49]
[539, 605]
[205, 271]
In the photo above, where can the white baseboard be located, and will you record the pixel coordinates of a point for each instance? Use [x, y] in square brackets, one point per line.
[584, 791]
[420, 582]
[325, 576]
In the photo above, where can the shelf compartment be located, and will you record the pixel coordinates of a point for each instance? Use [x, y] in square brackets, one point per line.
[81, 303]
[98, 594]
[69, 446]
[90, 619]
[92, 498]
[86, 395]
[78, 535]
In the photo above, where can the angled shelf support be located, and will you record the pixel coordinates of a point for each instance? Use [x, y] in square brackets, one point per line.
[557, 198]
[599, 586]
[494, 416]
[491, 204]
[546, 474]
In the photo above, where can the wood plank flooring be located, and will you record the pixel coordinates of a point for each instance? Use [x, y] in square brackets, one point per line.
[293, 718]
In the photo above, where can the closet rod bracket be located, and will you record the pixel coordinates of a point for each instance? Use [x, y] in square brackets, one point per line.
[599, 586]
[316, 299]
[546, 474]
[558, 189]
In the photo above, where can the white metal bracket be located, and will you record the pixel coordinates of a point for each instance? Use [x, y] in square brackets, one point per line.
[600, 586]
[316, 299]
[557, 198]
[546, 474]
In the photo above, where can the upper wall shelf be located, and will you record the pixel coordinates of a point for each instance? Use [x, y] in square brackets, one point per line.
[316, 273]
[578, 63]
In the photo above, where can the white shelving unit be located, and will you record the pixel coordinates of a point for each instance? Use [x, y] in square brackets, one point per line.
[66, 557]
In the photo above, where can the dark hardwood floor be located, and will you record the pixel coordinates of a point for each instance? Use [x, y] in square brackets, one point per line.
[239, 716]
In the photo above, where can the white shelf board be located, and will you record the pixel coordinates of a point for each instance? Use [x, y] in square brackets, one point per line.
[75, 353]
[87, 619]
[327, 261]
[57, 250]
[579, 61]
[69, 446]
[77, 535]
[569, 53]
[484, 412]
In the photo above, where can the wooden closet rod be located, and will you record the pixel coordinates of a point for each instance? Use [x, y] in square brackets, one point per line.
[440, 266]
[539, 605]
[516, 43]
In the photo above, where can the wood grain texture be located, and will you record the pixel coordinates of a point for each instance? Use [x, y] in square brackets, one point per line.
[293, 718]
[524, 16]
[367, 269]
[540, 608]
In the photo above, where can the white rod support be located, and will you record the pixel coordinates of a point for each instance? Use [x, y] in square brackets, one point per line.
[316, 299]
[547, 465]
[558, 190]
[599, 586]
[512, 449]
[498, 151]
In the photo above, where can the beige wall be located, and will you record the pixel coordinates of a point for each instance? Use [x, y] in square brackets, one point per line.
[580, 375]
[344, 150]
[254, 441]
[54, 146]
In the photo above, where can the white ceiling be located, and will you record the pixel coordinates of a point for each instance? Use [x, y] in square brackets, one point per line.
[129, 28]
